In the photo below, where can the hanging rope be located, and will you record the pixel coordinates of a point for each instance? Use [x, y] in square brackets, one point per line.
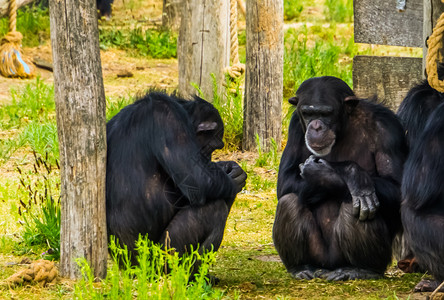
[236, 69]
[12, 63]
[434, 44]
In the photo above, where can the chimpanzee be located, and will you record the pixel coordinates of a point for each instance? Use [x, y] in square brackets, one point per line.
[160, 179]
[105, 8]
[338, 184]
[422, 208]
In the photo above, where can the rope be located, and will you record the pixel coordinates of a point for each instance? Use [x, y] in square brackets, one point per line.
[41, 271]
[434, 44]
[12, 15]
[236, 69]
[12, 63]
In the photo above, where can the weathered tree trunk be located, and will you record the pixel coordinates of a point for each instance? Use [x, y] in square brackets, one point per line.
[80, 109]
[204, 45]
[264, 73]
[171, 14]
[432, 10]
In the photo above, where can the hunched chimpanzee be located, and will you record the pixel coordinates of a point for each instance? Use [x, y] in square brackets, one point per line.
[338, 184]
[422, 208]
[160, 179]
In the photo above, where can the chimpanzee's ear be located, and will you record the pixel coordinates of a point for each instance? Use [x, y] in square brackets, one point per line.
[206, 126]
[294, 100]
[350, 103]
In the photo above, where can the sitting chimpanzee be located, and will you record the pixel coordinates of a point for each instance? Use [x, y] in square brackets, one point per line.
[422, 208]
[338, 184]
[160, 179]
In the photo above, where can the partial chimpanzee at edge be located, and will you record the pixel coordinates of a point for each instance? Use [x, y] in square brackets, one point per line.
[160, 178]
[105, 8]
[338, 184]
[422, 208]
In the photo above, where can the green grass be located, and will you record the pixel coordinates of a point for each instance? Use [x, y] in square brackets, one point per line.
[148, 280]
[339, 11]
[316, 51]
[34, 102]
[150, 42]
[231, 109]
[292, 9]
[39, 209]
[32, 23]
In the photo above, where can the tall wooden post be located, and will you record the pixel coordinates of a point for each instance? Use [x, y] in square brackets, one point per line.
[80, 111]
[204, 45]
[171, 14]
[264, 73]
[432, 10]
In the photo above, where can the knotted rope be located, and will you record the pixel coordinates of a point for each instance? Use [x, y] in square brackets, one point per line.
[236, 69]
[434, 44]
[12, 63]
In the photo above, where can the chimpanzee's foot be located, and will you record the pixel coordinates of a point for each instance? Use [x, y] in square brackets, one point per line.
[427, 285]
[350, 274]
[307, 272]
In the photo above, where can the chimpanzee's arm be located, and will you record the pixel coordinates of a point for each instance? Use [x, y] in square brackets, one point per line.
[289, 178]
[178, 153]
[390, 156]
[311, 179]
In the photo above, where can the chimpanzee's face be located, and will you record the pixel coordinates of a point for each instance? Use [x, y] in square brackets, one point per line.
[322, 111]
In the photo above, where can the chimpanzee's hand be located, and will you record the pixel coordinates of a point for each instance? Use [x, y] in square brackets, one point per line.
[313, 165]
[362, 190]
[235, 172]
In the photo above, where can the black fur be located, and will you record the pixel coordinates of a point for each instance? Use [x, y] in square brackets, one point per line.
[422, 113]
[160, 178]
[317, 232]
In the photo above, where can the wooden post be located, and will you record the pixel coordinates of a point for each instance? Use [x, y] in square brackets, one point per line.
[204, 45]
[432, 10]
[80, 112]
[171, 14]
[264, 73]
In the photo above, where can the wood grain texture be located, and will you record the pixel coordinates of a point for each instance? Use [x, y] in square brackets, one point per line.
[379, 22]
[203, 46]
[390, 78]
[264, 74]
[80, 111]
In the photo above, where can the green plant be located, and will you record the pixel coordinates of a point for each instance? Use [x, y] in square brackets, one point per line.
[148, 280]
[305, 58]
[34, 102]
[231, 109]
[41, 210]
[113, 107]
[150, 42]
[42, 138]
[270, 158]
[32, 22]
[339, 10]
[292, 9]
